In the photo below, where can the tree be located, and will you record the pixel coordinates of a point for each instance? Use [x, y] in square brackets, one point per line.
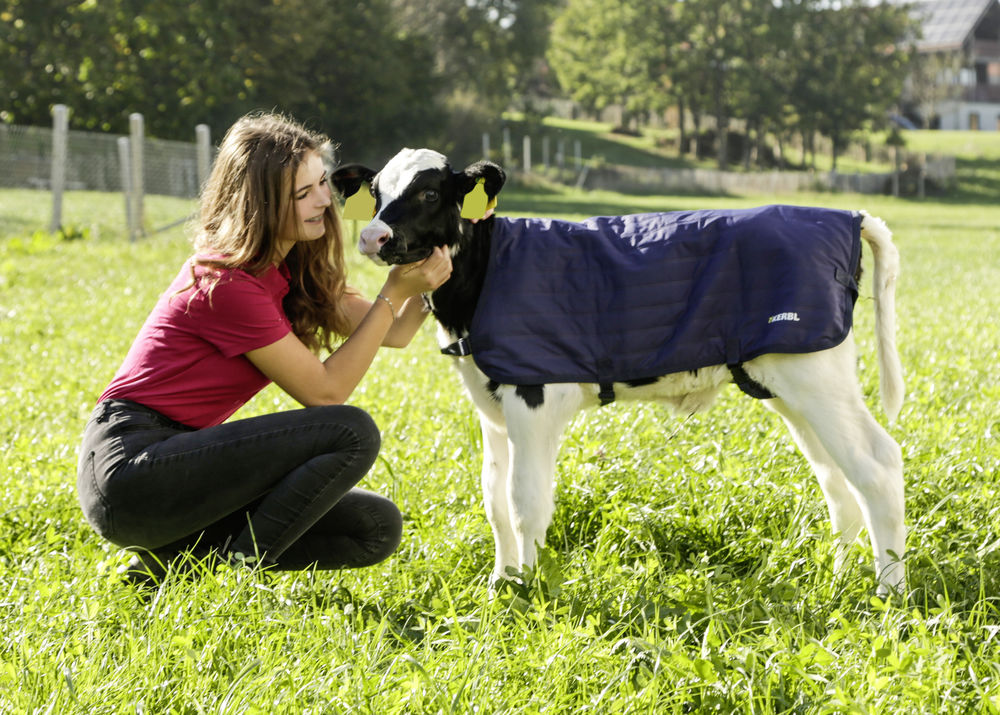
[854, 71]
[932, 81]
[611, 55]
[802, 66]
[489, 48]
[182, 63]
[728, 62]
[34, 78]
[351, 71]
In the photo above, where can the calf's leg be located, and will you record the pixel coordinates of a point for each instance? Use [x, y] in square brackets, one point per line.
[534, 429]
[820, 390]
[495, 475]
[846, 518]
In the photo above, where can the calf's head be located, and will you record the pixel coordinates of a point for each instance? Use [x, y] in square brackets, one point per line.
[418, 204]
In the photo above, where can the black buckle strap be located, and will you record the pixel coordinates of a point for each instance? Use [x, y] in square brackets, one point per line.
[605, 367]
[743, 381]
[746, 383]
[459, 348]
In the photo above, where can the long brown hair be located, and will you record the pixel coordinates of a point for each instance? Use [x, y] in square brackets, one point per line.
[247, 207]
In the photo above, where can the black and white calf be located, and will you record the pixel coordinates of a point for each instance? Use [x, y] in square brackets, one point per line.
[417, 206]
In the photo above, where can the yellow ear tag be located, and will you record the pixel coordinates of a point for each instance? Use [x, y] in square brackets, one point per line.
[360, 206]
[476, 202]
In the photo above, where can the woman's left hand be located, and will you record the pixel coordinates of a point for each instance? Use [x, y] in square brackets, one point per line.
[422, 276]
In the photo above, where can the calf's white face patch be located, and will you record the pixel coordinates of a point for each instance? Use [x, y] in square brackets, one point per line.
[399, 173]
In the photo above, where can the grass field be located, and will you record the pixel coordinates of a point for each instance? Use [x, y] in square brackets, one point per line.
[657, 147]
[688, 567]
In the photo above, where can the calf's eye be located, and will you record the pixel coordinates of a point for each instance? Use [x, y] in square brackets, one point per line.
[429, 195]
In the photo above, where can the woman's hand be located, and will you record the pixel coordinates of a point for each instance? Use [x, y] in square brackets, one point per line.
[297, 371]
[423, 276]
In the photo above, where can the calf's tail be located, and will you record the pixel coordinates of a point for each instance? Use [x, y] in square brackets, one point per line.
[885, 275]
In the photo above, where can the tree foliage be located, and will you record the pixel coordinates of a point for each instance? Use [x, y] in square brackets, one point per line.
[487, 47]
[611, 54]
[380, 73]
[344, 67]
[802, 66]
[856, 70]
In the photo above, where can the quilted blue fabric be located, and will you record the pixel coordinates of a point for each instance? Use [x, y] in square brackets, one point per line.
[626, 298]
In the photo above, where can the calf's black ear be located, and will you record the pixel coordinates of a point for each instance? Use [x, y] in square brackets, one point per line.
[479, 185]
[352, 182]
[492, 173]
[348, 178]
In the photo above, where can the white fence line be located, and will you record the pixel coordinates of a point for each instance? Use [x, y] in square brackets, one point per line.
[59, 159]
[940, 170]
[614, 177]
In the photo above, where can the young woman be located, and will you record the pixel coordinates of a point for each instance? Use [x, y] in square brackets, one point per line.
[161, 471]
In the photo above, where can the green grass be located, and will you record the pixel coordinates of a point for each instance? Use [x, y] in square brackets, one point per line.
[977, 152]
[689, 561]
[971, 145]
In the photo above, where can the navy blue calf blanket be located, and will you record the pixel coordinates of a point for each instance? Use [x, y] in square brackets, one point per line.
[628, 298]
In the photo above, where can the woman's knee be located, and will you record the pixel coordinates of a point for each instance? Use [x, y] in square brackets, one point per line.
[390, 532]
[360, 427]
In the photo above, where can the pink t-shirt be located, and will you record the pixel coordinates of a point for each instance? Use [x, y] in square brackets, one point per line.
[188, 360]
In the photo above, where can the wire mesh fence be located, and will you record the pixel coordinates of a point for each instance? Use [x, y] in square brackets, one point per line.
[58, 160]
[93, 162]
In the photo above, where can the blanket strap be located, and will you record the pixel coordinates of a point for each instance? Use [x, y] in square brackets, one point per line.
[462, 348]
[459, 348]
[846, 280]
[748, 384]
[604, 381]
[743, 381]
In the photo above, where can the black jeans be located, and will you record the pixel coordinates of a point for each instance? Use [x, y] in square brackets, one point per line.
[278, 486]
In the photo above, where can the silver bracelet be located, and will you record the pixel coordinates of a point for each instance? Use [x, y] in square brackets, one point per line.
[388, 302]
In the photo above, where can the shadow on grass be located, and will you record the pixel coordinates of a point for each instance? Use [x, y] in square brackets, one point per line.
[977, 182]
[963, 582]
[16, 226]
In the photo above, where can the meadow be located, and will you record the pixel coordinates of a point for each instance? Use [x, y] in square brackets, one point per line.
[689, 562]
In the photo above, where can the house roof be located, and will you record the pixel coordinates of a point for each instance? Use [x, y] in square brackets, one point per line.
[947, 24]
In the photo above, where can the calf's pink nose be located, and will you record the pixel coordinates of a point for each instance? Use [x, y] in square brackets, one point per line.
[373, 238]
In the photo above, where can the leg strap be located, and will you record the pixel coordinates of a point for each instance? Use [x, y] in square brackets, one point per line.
[748, 384]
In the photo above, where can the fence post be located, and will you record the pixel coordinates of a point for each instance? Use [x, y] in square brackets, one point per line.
[526, 145]
[507, 154]
[486, 145]
[895, 172]
[578, 154]
[138, 189]
[126, 173]
[545, 151]
[60, 133]
[203, 140]
[922, 178]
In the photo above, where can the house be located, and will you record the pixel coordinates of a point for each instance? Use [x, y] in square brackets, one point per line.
[958, 86]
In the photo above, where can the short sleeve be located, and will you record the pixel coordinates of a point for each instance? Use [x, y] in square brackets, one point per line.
[241, 314]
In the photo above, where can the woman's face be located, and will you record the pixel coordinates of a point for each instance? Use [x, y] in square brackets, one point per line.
[310, 200]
